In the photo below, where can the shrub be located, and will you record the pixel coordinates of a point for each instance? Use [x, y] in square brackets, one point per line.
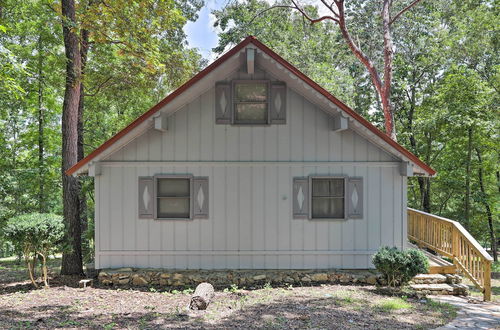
[399, 267]
[35, 234]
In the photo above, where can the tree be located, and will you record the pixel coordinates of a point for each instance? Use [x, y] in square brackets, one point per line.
[148, 32]
[36, 234]
[72, 258]
[338, 15]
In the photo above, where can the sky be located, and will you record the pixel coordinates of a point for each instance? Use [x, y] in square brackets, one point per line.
[201, 34]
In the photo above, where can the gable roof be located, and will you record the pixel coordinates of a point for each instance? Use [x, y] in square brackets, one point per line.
[79, 167]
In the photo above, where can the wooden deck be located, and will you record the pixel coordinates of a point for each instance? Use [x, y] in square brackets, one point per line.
[437, 265]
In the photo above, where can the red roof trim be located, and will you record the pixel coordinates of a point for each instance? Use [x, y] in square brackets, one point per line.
[157, 107]
[219, 61]
[344, 107]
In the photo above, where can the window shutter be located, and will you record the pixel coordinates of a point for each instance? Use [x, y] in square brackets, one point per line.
[354, 198]
[300, 198]
[223, 104]
[146, 197]
[277, 106]
[200, 197]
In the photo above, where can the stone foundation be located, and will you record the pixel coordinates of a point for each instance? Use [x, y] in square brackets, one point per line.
[241, 278]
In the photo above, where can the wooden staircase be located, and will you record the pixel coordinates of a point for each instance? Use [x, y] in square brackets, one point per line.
[448, 238]
[437, 265]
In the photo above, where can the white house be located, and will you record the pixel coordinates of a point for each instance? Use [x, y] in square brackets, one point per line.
[249, 165]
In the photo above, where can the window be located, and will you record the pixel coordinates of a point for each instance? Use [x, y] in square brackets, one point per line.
[173, 198]
[327, 198]
[251, 102]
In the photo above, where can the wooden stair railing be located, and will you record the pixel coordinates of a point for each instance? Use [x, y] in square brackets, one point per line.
[450, 239]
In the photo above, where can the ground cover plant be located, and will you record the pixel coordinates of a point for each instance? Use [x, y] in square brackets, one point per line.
[399, 267]
[325, 306]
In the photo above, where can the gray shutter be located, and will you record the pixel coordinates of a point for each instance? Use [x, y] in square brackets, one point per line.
[300, 198]
[277, 105]
[354, 198]
[223, 104]
[200, 197]
[146, 197]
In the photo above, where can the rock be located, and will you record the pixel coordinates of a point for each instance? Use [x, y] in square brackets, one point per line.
[123, 270]
[139, 280]
[123, 281]
[106, 282]
[306, 279]
[344, 278]
[372, 280]
[177, 277]
[319, 277]
[164, 275]
[259, 277]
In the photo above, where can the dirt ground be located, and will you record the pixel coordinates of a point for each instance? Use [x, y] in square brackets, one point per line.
[64, 305]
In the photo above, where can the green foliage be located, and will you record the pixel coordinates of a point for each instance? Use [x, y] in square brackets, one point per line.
[399, 267]
[35, 234]
[42, 232]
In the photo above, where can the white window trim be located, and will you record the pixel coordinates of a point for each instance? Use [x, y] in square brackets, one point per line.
[268, 102]
[311, 177]
[172, 176]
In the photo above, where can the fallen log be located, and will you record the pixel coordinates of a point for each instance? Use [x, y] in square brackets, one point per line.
[202, 296]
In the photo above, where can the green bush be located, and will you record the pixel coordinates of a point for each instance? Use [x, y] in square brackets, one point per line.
[36, 235]
[399, 267]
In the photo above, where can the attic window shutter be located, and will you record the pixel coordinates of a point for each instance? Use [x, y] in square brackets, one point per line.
[354, 198]
[200, 197]
[146, 198]
[278, 103]
[300, 198]
[223, 103]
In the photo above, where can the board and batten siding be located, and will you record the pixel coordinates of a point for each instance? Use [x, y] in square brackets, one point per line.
[250, 171]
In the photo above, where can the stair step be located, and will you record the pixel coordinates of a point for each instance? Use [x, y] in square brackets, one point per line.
[441, 289]
[436, 279]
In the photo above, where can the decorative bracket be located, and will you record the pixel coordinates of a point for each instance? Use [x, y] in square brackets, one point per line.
[339, 123]
[161, 122]
[406, 169]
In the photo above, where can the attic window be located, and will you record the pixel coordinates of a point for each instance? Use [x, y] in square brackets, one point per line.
[251, 102]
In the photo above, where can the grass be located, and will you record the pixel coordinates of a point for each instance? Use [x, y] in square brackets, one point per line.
[495, 289]
[393, 304]
[442, 307]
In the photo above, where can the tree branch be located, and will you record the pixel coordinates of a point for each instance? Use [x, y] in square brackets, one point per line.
[98, 88]
[310, 19]
[403, 11]
[267, 9]
[362, 57]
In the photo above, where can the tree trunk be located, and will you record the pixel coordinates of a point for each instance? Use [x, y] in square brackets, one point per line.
[493, 241]
[72, 256]
[84, 37]
[467, 179]
[385, 96]
[202, 296]
[41, 169]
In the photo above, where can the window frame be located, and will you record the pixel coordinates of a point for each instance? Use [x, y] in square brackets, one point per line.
[327, 177]
[234, 121]
[155, 202]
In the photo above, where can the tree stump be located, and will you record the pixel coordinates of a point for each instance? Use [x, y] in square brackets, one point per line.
[202, 296]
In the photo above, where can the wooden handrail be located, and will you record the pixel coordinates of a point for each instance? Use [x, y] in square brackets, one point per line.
[450, 239]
